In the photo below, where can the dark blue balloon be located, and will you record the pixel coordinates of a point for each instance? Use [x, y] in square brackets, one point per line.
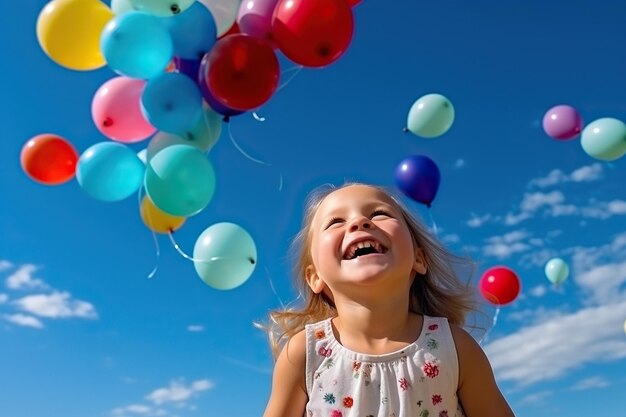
[417, 176]
[189, 67]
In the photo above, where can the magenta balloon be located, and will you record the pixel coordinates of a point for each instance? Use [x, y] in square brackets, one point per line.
[255, 18]
[116, 110]
[562, 122]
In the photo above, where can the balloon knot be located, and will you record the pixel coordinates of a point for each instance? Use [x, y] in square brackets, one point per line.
[405, 129]
[108, 122]
[226, 119]
[251, 261]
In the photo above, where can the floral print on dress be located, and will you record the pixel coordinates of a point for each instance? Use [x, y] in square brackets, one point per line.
[437, 399]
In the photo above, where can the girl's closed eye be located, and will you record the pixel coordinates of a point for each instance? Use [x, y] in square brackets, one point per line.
[381, 213]
[333, 221]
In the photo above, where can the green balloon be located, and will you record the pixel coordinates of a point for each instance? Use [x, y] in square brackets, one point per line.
[162, 8]
[430, 116]
[224, 256]
[604, 139]
[180, 180]
[557, 271]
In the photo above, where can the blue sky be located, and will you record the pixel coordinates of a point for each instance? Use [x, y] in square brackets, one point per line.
[84, 332]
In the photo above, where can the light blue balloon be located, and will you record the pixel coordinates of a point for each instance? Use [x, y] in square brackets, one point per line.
[224, 256]
[137, 45]
[121, 6]
[180, 180]
[193, 31]
[162, 7]
[604, 139]
[557, 270]
[430, 116]
[109, 171]
[172, 102]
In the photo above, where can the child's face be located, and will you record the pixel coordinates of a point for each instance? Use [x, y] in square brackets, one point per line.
[359, 237]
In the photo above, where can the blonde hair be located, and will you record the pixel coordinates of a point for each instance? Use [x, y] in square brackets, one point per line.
[440, 292]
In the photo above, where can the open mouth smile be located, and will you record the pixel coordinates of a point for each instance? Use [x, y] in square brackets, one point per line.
[364, 247]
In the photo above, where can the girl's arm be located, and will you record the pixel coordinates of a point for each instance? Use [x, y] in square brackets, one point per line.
[289, 397]
[478, 393]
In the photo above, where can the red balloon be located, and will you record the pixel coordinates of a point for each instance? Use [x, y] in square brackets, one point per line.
[353, 3]
[499, 285]
[313, 33]
[49, 159]
[241, 72]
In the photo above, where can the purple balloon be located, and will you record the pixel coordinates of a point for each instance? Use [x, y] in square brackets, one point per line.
[417, 176]
[562, 122]
[255, 18]
[208, 96]
[189, 67]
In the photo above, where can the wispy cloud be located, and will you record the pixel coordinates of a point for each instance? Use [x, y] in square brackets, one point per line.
[178, 392]
[536, 398]
[477, 221]
[4, 265]
[195, 328]
[23, 279]
[590, 383]
[459, 163]
[586, 173]
[3, 298]
[56, 305]
[504, 246]
[24, 320]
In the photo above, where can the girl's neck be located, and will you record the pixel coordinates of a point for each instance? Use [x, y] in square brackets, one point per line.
[376, 328]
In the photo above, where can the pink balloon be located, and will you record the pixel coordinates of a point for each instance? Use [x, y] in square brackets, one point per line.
[116, 110]
[562, 122]
[255, 18]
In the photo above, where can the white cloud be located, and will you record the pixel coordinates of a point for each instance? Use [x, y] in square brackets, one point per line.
[589, 383]
[550, 349]
[537, 398]
[451, 238]
[533, 201]
[56, 305]
[4, 265]
[586, 173]
[512, 219]
[195, 328]
[477, 221]
[24, 320]
[133, 409]
[177, 392]
[506, 245]
[3, 298]
[23, 279]
[459, 163]
[538, 291]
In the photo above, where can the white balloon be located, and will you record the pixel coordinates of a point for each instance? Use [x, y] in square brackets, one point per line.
[224, 12]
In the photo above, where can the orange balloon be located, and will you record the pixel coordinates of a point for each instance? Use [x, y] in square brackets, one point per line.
[49, 159]
[157, 220]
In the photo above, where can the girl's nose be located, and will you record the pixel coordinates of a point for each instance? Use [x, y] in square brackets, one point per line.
[360, 224]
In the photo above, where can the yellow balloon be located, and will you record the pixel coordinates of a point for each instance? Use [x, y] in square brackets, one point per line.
[157, 220]
[69, 32]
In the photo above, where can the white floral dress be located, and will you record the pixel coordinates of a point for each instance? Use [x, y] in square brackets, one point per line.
[420, 380]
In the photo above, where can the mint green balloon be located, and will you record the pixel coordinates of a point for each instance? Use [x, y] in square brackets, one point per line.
[180, 180]
[557, 270]
[121, 6]
[604, 139]
[224, 256]
[162, 8]
[430, 116]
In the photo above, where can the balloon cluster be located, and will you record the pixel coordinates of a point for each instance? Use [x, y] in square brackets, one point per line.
[418, 176]
[603, 139]
[181, 68]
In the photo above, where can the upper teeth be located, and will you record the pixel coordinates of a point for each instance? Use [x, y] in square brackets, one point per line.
[350, 252]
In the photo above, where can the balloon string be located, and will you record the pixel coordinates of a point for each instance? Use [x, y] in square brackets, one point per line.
[258, 161]
[493, 324]
[269, 277]
[154, 237]
[257, 117]
[432, 220]
[296, 72]
[211, 259]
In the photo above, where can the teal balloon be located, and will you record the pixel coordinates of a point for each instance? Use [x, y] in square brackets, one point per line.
[224, 256]
[604, 139]
[137, 45]
[203, 136]
[430, 116]
[180, 180]
[172, 102]
[162, 7]
[193, 32]
[557, 270]
[109, 171]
